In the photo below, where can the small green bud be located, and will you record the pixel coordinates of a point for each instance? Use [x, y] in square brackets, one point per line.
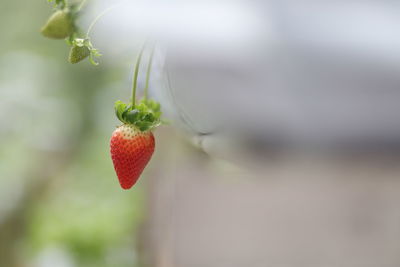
[78, 53]
[59, 25]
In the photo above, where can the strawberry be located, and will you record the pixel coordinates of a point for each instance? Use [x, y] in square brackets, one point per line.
[131, 150]
[132, 144]
[79, 51]
[59, 26]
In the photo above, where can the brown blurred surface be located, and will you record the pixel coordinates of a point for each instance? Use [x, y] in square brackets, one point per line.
[295, 212]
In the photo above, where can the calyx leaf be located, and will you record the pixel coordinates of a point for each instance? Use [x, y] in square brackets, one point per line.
[145, 116]
[61, 3]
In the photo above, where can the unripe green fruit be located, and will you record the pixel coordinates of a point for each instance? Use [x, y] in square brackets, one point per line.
[78, 53]
[59, 25]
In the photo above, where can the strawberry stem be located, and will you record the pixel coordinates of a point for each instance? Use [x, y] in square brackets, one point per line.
[81, 4]
[146, 88]
[97, 18]
[135, 77]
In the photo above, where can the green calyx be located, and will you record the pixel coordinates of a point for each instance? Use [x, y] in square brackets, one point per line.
[145, 116]
[60, 25]
[81, 49]
[60, 3]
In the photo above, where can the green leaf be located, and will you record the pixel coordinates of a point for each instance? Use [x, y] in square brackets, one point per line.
[119, 107]
[143, 125]
[126, 110]
[58, 3]
[145, 116]
[157, 114]
[91, 59]
[95, 52]
[131, 116]
[149, 117]
[142, 107]
[154, 106]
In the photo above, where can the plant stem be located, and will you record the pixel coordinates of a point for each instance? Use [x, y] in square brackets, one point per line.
[150, 64]
[135, 76]
[97, 18]
[81, 4]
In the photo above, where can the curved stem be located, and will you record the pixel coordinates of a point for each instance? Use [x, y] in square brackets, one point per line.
[135, 77]
[150, 64]
[97, 18]
[81, 4]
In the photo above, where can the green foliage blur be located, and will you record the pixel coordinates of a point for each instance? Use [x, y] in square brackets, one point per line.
[60, 201]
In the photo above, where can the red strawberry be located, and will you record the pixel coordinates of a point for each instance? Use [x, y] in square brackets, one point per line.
[131, 150]
[132, 144]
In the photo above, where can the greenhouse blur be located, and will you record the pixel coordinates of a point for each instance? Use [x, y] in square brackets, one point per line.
[279, 144]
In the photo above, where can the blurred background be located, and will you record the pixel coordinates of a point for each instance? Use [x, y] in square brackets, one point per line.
[282, 148]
